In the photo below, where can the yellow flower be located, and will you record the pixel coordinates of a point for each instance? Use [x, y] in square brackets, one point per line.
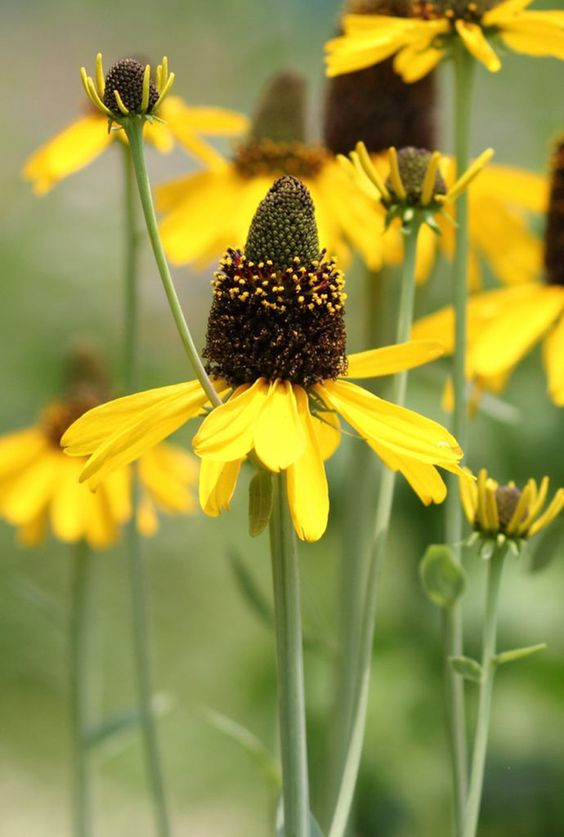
[505, 512]
[505, 325]
[276, 354]
[81, 142]
[424, 38]
[39, 485]
[207, 212]
[500, 200]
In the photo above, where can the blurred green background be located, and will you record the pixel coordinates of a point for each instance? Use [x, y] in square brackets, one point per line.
[61, 278]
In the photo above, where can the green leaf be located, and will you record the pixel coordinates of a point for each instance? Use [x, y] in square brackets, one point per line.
[250, 590]
[260, 502]
[517, 654]
[467, 668]
[442, 577]
[249, 742]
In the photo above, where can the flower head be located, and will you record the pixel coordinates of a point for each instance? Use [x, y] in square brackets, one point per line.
[414, 186]
[207, 212]
[276, 354]
[502, 513]
[39, 485]
[128, 89]
[425, 36]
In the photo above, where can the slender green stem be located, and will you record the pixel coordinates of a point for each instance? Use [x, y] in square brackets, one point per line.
[81, 559]
[291, 697]
[139, 597]
[379, 543]
[472, 812]
[452, 617]
[131, 302]
[141, 653]
[134, 130]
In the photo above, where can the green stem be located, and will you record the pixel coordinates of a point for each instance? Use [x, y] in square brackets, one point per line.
[131, 302]
[141, 654]
[379, 543]
[486, 688]
[291, 699]
[133, 539]
[452, 617]
[78, 686]
[134, 130]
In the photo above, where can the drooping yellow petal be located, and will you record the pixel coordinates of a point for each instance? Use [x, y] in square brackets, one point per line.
[514, 331]
[94, 427]
[553, 510]
[169, 474]
[416, 61]
[554, 363]
[280, 436]
[391, 359]
[144, 430]
[477, 45]
[424, 479]
[469, 497]
[539, 43]
[203, 120]
[34, 531]
[20, 449]
[71, 150]
[227, 433]
[117, 486]
[504, 12]
[69, 503]
[217, 485]
[160, 136]
[101, 529]
[308, 493]
[33, 489]
[328, 431]
[402, 431]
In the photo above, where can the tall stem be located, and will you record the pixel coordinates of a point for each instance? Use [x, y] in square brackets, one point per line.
[80, 559]
[486, 688]
[452, 617]
[141, 654]
[291, 697]
[139, 599]
[379, 543]
[134, 130]
[131, 303]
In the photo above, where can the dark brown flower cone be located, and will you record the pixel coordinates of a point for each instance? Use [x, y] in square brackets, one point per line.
[554, 236]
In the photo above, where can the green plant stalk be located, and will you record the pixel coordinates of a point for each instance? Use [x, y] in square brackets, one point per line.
[131, 301]
[452, 617]
[134, 129]
[291, 693]
[379, 542]
[141, 650]
[495, 567]
[80, 561]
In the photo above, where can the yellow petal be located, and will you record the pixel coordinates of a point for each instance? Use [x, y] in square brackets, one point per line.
[93, 428]
[554, 363]
[505, 11]
[308, 493]
[117, 487]
[33, 489]
[101, 529]
[71, 150]
[403, 431]
[477, 45]
[391, 359]
[553, 510]
[33, 532]
[424, 479]
[144, 430]
[204, 120]
[540, 43]
[20, 449]
[227, 433]
[512, 334]
[169, 474]
[69, 503]
[328, 431]
[160, 136]
[469, 496]
[279, 437]
[217, 485]
[416, 61]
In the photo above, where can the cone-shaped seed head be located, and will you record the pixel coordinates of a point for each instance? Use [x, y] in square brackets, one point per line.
[280, 116]
[506, 499]
[283, 228]
[554, 236]
[126, 76]
[413, 164]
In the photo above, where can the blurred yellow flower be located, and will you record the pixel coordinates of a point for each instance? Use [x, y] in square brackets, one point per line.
[276, 352]
[500, 200]
[81, 142]
[39, 485]
[425, 37]
[505, 512]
